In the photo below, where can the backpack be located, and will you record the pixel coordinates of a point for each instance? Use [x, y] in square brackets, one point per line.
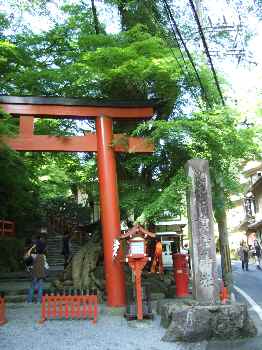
[28, 261]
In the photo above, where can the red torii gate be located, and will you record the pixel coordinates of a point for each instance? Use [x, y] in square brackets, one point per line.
[104, 142]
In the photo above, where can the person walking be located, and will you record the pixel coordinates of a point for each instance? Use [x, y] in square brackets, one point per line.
[66, 248]
[157, 265]
[186, 250]
[258, 250]
[38, 274]
[243, 253]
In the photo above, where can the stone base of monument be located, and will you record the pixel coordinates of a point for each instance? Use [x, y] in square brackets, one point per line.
[194, 323]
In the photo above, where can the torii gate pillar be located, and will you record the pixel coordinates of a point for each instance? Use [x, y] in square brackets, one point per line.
[110, 215]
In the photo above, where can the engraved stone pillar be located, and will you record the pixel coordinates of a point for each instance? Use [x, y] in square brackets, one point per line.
[201, 230]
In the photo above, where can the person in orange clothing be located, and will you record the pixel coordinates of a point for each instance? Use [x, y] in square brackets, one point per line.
[157, 265]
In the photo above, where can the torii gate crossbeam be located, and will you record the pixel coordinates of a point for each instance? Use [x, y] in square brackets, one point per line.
[104, 142]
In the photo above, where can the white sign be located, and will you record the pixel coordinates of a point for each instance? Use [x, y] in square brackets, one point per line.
[116, 245]
[137, 247]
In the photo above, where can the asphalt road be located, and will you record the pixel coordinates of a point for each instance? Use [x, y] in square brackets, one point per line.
[249, 281]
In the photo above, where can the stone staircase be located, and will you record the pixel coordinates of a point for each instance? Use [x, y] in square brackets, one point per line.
[54, 248]
[15, 284]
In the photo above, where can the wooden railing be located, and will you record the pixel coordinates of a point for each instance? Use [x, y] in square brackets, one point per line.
[2, 310]
[7, 228]
[60, 305]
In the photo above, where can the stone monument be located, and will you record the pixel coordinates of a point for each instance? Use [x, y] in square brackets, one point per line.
[203, 318]
[201, 232]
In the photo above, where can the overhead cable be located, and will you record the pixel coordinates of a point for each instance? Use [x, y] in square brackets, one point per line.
[186, 73]
[202, 36]
[170, 15]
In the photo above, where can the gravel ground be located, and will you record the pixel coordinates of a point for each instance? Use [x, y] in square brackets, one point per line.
[22, 332]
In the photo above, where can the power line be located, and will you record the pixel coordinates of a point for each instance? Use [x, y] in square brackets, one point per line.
[187, 73]
[176, 41]
[170, 15]
[202, 36]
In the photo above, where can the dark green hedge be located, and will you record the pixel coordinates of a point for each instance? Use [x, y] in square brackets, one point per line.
[11, 254]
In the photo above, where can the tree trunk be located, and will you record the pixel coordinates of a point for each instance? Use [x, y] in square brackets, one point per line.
[123, 15]
[223, 242]
[95, 17]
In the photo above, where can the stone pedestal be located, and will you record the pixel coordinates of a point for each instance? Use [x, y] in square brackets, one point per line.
[201, 232]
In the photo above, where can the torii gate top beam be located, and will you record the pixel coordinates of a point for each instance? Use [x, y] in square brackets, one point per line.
[76, 108]
[27, 108]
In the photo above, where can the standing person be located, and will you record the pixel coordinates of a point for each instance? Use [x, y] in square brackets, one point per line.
[41, 244]
[38, 274]
[243, 253]
[186, 251]
[257, 248]
[157, 265]
[66, 251]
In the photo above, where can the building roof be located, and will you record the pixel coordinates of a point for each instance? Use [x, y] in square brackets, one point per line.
[252, 167]
[256, 185]
[137, 230]
[256, 225]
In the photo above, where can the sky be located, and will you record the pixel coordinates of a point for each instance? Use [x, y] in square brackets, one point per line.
[245, 79]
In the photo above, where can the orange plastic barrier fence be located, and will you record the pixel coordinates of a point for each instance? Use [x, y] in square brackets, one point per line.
[224, 297]
[58, 305]
[3, 319]
[7, 228]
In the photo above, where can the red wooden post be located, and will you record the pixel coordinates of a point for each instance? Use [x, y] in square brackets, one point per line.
[137, 266]
[66, 306]
[2, 311]
[84, 309]
[110, 216]
[60, 314]
[94, 303]
[43, 308]
[26, 125]
[139, 295]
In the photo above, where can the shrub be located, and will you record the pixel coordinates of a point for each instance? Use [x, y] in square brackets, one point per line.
[11, 257]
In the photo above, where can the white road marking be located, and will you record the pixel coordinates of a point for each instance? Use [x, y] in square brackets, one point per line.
[254, 305]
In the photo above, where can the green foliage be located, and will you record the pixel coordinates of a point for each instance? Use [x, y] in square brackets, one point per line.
[9, 59]
[65, 208]
[18, 191]
[8, 125]
[133, 12]
[12, 252]
[215, 136]
[137, 66]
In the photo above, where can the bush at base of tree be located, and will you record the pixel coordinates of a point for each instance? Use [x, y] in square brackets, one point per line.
[11, 257]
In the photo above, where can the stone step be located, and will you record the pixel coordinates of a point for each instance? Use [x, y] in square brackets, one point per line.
[12, 292]
[54, 248]
[19, 298]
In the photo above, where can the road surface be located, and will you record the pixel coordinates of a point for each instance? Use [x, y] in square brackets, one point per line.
[248, 288]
